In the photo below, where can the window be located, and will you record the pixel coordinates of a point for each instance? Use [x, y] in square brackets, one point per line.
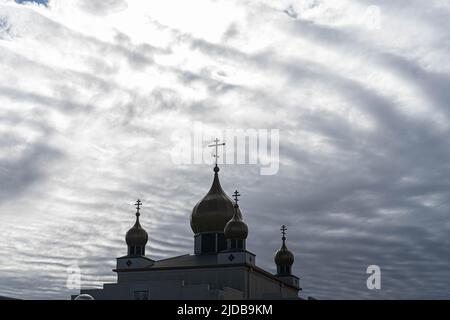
[221, 242]
[197, 244]
[284, 269]
[136, 250]
[208, 242]
[139, 251]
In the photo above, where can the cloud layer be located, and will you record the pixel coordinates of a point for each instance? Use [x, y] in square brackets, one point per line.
[90, 96]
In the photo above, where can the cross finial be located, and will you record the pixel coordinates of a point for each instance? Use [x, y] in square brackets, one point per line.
[283, 232]
[216, 145]
[138, 207]
[236, 194]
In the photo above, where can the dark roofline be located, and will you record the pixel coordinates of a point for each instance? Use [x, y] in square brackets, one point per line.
[8, 298]
[170, 258]
[143, 257]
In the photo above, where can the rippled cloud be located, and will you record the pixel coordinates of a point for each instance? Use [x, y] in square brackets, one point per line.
[90, 95]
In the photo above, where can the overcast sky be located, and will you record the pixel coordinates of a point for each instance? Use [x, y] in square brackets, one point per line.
[91, 93]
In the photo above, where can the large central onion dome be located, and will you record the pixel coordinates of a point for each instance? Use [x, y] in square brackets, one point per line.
[212, 213]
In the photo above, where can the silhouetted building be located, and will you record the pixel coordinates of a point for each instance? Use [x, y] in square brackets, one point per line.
[7, 298]
[220, 268]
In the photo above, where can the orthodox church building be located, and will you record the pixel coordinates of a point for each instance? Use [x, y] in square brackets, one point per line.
[220, 268]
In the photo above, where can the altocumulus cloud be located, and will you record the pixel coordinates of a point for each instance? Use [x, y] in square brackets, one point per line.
[91, 93]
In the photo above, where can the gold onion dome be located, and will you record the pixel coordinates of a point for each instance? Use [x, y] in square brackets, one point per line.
[212, 213]
[283, 256]
[137, 236]
[236, 228]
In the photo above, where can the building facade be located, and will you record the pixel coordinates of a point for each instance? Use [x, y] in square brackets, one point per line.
[221, 267]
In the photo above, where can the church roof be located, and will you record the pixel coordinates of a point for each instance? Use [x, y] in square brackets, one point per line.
[189, 261]
[186, 260]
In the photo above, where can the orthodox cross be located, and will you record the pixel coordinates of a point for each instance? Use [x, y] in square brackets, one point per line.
[138, 207]
[236, 194]
[216, 144]
[283, 231]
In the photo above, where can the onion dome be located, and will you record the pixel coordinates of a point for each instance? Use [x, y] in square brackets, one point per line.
[236, 228]
[284, 257]
[136, 237]
[212, 213]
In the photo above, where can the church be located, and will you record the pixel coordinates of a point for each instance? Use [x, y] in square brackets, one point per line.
[221, 267]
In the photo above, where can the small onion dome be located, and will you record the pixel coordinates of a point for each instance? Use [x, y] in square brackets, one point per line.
[214, 210]
[136, 236]
[283, 256]
[236, 229]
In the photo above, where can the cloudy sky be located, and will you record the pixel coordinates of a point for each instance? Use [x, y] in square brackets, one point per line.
[91, 93]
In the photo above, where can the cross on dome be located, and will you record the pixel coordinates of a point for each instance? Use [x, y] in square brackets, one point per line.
[236, 194]
[216, 145]
[138, 207]
[283, 231]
